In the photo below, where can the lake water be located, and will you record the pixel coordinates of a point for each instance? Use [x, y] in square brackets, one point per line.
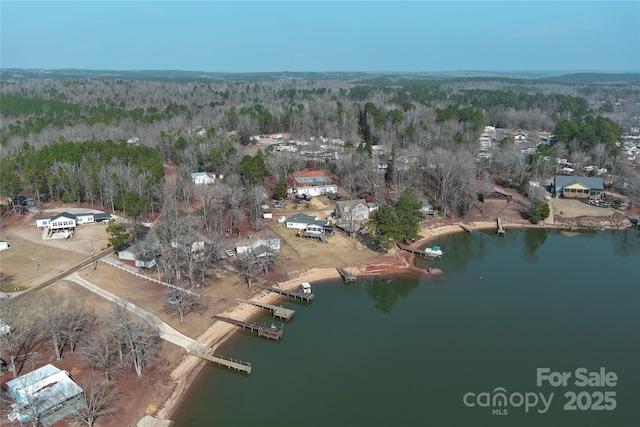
[412, 351]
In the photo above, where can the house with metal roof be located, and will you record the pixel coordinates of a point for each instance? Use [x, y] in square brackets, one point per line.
[499, 193]
[579, 187]
[313, 183]
[47, 394]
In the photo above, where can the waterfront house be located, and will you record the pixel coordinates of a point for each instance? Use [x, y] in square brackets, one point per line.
[352, 210]
[300, 221]
[579, 187]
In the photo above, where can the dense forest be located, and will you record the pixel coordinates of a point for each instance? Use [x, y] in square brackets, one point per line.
[102, 139]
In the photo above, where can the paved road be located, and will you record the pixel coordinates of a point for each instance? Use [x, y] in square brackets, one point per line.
[167, 333]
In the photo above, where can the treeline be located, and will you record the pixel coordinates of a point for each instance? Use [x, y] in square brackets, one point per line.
[587, 133]
[37, 114]
[334, 109]
[97, 172]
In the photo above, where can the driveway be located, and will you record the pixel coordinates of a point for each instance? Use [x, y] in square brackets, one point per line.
[167, 333]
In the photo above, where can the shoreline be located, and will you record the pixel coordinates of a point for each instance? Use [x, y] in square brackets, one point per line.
[219, 332]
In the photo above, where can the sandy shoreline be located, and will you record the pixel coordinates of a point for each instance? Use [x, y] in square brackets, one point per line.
[219, 332]
[188, 370]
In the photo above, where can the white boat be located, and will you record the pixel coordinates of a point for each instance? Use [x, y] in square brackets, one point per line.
[305, 287]
[433, 252]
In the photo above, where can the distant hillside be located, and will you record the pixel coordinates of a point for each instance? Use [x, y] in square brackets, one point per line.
[393, 78]
[596, 78]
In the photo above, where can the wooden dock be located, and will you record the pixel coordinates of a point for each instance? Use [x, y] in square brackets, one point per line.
[346, 276]
[428, 257]
[465, 228]
[227, 362]
[292, 295]
[500, 230]
[272, 332]
[277, 311]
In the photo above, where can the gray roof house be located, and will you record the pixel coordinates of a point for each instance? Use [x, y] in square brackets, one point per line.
[302, 220]
[348, 210]
[579, 187]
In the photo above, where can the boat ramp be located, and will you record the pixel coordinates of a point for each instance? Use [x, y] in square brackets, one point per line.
[277, 311]
[272, 332]
[227, 362]
[302, 296]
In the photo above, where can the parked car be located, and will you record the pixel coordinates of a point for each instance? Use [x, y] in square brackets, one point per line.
[230, 253]
[333, 196]
[281, 219]
[278, 205]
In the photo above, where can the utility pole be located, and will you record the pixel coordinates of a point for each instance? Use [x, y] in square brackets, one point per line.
[93, 257]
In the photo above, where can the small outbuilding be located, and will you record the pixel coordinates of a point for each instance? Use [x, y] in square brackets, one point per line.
[498, 193]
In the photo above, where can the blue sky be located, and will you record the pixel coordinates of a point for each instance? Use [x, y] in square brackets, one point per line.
[370, 36]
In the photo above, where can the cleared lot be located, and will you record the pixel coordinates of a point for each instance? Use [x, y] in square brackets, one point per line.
[30, 260]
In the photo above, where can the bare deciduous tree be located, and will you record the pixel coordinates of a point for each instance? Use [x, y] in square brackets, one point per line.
[137, 338]
[249, 267]
[22, 334]
[99, 351]
[182, 301]
[97, 402]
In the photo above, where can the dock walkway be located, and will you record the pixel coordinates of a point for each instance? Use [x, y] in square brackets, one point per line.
[292, 295]
[227, 362]
[465, 228]
[500, 230]
[277, 311]
[346, 276]
[423, 254]
[272, 332]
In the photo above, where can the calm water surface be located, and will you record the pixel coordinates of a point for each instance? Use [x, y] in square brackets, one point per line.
[406, 351]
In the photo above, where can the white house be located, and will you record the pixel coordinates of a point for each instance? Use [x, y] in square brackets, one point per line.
[140, 260]
[260, 247]
[4, 245]
[300, 221]
[520, 136]
[203, 178]
[313, 183]
[373, 206]
[66, 220]
[128, 254]
[61, 221]
[47, 392]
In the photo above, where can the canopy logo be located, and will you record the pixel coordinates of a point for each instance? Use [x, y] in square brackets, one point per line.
[500, 401]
